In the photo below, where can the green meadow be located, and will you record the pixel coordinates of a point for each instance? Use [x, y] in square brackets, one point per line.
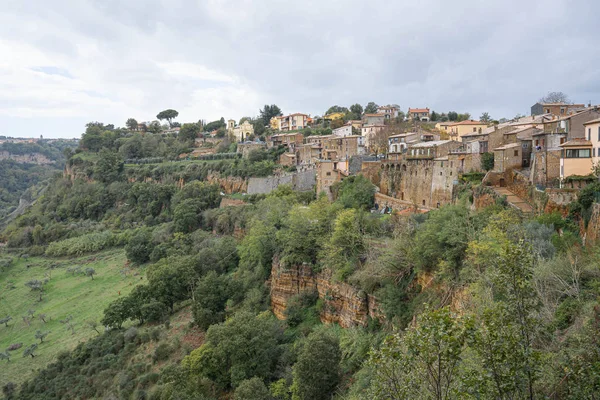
[65, 294]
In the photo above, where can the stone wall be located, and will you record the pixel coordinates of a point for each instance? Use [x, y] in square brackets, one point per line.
[300, 180]
[342, 303]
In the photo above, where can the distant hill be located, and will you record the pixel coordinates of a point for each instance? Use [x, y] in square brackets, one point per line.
[24, 165]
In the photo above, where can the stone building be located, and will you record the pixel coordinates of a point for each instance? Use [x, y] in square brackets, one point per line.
[418, 114]
[459, 129]
[373, 119]
[558, 109]
[507, 157]
[240, 132]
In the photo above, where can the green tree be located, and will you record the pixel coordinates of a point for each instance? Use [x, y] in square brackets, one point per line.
[220, 359]
[355, 192]
[434, 116]
[189, 132]
[132, 124]
[139, 247]
[41, 335]
[6, 320]
[36, 286]
[346, 244]
[357, 110]
[168, 115]
[109, 166]
[424, 362]
[5, 355]
[487, 161]
[317, 372]
[117, 312]
[510, 326]
[30, 350]
[210, 299]
[485, 117]
[371, 108]
[336, 109]
[172, 279]
[187, 215]
[252, 389]
[452, 116]
[268, 112]
[257, 249]
[90, 272]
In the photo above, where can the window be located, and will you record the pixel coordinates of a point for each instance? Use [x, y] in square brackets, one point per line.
[562, 140]
[328, 174]
[516, 153]
[589, 133]
[474, 129]
[423, 202]
[577, 153]
[562, 110]
[599, 133]
[594, 152]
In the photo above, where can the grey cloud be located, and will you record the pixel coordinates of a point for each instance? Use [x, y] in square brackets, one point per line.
[465, 55]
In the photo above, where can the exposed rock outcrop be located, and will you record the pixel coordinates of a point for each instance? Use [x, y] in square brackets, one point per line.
[343, 303]
[229, 184]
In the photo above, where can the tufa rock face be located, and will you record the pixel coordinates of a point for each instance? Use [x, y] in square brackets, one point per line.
[343, 303]
[229, 184]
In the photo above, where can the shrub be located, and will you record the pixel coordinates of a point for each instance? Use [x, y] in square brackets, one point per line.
[162, 352]
[89, 243]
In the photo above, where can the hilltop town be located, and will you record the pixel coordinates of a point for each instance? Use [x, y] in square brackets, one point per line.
[418, 159]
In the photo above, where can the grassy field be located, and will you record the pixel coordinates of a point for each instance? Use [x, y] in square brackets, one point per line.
[64, 295]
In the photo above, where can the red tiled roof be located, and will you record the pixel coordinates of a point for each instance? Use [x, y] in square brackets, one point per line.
[469, 122]
[418, 110]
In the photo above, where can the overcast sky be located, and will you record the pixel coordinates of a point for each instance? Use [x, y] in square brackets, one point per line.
[65, 63]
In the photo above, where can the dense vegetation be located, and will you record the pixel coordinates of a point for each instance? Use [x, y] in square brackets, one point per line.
[17, 177]
[484, 304]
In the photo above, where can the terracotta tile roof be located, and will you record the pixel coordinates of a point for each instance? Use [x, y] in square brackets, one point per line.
[594, 121]
[418, 110]
[508, 146]
[577, 143]
[469, 122]
[374, 115]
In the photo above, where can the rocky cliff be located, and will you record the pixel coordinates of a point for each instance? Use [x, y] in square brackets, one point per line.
[229, 184]
[343, 303]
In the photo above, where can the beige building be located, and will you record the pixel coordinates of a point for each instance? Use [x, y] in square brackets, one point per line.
[507, 157]
[389, 111]
[342, 148]
[290, 140]
[308, 154]
[293, 122]
[576, 158]
[240, 132]
[328, 173]
[369, 131]
[592, 131]
[399, 143]
[459, 129]
[419, 114]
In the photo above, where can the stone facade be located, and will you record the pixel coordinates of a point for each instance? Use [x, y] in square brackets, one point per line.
[301, 180]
